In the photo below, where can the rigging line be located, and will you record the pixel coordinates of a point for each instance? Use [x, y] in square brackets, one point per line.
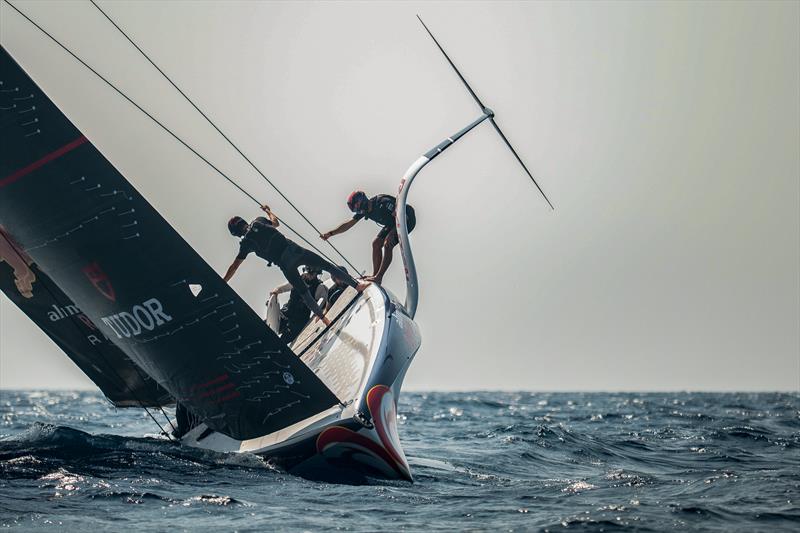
[163, 431]
[174, 430]
[151, 117]
[327, 328]
[160, 408]
[220, 132]
[96, 349]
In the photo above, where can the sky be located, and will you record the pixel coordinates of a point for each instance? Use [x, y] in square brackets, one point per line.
[666, 134]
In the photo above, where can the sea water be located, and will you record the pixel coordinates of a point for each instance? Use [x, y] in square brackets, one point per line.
[481, 461]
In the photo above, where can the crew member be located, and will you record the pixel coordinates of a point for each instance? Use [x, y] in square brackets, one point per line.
[337, 290]
[262, 237]
[295, 314]
[381, 209]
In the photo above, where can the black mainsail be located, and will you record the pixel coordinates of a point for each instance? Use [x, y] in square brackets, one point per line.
[35, 294]
[130, 273]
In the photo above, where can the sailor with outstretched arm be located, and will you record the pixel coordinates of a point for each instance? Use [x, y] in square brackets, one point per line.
[262, 237]
[381, 209]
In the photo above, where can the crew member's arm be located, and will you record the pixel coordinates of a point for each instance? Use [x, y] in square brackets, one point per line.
[280, 289]
[341, 228]
[232, 269]
[272, 217]
[321, 294]
[311, 304]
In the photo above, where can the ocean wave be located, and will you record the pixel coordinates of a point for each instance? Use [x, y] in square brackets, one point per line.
[481, 460]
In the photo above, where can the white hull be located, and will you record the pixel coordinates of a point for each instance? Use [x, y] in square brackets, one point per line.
[363, 359]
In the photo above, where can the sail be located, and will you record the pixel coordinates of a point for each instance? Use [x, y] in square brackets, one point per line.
[111, 253]
[35, 294]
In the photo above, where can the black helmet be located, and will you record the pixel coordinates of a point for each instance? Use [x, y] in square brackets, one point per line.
[357, 201]
[237, 226]
[313, 270]
[336, 278]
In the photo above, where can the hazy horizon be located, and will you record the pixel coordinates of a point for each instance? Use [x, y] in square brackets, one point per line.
[92, 388]
[666, 134]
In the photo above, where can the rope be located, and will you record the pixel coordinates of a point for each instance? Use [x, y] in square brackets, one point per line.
[297, 210]
[327, 328]
[160, 408]
[160, 427]
[144, 377]
[151, 117]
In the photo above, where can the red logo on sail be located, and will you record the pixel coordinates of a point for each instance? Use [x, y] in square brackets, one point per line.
[100, 281]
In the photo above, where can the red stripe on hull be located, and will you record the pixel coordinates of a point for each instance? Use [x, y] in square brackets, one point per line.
[338, 441]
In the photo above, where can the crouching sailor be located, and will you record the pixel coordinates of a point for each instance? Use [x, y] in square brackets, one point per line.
[381, 209]
[262, 237]
[339, 286]
[295, 314]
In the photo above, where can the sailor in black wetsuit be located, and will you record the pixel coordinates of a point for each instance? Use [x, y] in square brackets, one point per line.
[381, 209]
[262, 237]
[295, 314]
[339, 286]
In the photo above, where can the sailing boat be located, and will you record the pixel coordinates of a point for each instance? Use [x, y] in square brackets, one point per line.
[87, 258]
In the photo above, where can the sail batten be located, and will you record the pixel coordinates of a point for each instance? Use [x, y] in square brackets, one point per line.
[115, 258]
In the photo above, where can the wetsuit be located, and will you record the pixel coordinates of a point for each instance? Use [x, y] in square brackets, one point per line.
[295, 313]
[334, 293]
[269, 244]
[382, 212]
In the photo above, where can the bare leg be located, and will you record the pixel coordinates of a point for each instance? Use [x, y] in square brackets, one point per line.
[377, 255]
[388, 247]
